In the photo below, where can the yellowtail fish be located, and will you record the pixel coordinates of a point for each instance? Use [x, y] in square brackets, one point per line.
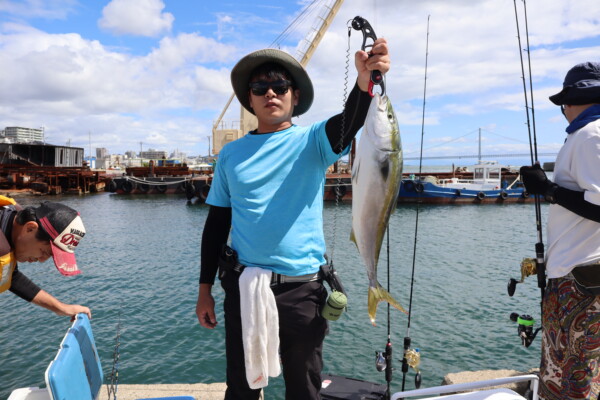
[376, 173]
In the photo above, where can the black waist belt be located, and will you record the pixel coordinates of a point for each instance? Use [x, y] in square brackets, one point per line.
[277, 279]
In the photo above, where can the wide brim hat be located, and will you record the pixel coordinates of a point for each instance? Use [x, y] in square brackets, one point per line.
[240, 77]
[581, 85]
[65, 228]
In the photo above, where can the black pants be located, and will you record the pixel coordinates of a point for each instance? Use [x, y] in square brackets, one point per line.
[301, 334]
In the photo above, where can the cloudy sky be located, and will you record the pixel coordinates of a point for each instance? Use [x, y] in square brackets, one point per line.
[131, 74]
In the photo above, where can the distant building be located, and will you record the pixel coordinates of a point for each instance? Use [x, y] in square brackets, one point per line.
[178, 155]
[41, 155]
[152, 154]
[91, 162]
[101, 153]
[24, 135]
[130, 154]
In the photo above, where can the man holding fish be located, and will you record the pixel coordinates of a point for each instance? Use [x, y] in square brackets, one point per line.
[268, 190]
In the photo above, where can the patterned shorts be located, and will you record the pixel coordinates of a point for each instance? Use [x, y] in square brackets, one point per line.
[570, 343]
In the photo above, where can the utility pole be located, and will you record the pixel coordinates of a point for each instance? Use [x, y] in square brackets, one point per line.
[479, 146]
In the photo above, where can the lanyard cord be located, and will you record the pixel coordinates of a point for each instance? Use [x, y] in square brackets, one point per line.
[336, 189]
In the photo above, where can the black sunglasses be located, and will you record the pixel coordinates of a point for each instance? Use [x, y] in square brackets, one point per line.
[280, 87]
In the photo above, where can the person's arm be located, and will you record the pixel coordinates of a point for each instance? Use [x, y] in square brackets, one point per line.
[574, 201]
[343, 127]
[49, 302]
[214, 236]
[22, 286]
[536, 182]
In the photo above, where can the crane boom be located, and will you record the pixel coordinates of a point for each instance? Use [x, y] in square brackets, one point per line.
[320, 32]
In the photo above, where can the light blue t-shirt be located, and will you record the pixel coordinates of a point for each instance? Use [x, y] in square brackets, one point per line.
[274, 185]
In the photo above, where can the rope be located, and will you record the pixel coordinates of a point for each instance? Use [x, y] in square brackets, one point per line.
[154, 183]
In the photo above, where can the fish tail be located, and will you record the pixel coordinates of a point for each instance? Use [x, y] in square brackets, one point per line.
[378, 294]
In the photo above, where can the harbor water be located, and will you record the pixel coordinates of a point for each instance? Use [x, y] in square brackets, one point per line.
[140, 262]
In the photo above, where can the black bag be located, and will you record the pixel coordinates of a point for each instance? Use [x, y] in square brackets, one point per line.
[228, 261]
[587, 279]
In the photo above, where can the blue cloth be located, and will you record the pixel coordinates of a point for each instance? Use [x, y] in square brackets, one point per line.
[589, 115]
[274, 185]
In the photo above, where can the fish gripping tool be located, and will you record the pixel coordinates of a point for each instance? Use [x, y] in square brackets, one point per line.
[361, 24]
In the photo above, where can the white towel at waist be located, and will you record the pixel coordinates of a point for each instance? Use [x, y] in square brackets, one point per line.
[260, 326]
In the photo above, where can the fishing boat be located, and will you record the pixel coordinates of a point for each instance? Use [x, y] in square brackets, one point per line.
[490, 183]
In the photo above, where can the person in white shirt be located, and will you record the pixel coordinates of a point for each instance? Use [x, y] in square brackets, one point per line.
[569, 366]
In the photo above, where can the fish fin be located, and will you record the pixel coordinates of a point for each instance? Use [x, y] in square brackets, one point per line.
[377, 295]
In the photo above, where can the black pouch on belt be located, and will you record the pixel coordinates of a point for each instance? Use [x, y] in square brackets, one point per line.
[329, 274]
[228, 261]
[587, 279]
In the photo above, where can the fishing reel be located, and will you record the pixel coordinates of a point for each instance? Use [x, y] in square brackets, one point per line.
[525, 328]
[528, 268]
[412, 359]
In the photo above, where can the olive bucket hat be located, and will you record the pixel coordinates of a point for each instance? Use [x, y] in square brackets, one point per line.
[240, 77]
[581, 85]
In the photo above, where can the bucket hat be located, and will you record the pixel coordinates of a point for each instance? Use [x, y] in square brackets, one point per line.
[581, 85]
[240, 77]
[65, 227]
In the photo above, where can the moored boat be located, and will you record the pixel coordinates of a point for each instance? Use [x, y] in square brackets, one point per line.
[490, 183]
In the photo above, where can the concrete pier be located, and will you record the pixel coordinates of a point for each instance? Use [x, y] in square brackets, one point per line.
[204, 391]
[216, 391]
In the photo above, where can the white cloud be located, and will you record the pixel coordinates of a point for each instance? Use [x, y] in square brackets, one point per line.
[70, 84]
[136, 17]
[48, 9]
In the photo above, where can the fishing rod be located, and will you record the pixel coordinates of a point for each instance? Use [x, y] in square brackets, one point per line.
[113, 380]
[412, 358]
[537, 265]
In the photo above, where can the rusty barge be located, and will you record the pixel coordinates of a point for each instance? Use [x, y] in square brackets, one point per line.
[41, 168]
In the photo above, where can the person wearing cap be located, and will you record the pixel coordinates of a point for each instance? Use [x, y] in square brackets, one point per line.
[268, 189]
[34, 234]
[569, 367]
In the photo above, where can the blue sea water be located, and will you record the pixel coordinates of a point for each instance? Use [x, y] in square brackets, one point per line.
[140, 259]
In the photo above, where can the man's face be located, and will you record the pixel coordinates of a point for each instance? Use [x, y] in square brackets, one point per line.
[273, 107]
[28, 248]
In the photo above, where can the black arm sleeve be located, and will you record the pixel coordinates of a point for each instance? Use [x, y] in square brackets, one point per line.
[22, 286]
[214, 236]
[573, 201]
[353, 117]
